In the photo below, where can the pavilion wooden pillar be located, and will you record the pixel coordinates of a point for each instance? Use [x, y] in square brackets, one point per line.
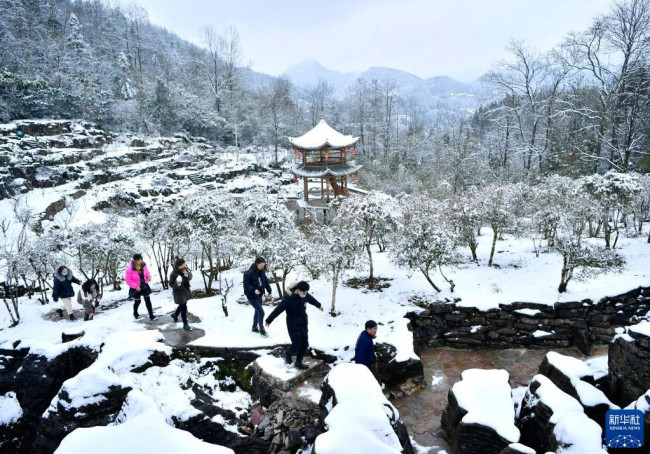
[305, 189]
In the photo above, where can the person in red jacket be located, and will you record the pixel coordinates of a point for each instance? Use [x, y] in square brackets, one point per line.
[137, 277]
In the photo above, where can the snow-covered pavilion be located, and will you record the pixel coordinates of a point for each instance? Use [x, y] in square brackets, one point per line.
[325, 156]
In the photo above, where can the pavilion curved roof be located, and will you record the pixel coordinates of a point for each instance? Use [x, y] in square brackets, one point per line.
[335, 170]
[322, 135]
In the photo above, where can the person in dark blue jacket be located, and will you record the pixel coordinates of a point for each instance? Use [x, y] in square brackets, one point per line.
[255, 283]
[364, 352]
[295, 305]
[62, 288]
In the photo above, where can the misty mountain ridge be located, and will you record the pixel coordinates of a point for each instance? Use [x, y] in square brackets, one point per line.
[433, 91]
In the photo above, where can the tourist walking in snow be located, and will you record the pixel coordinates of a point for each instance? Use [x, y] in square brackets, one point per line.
[137, 277]
[255, 283]
[179, 281]
[62, 288]
[364, 351]
[88, 296]
[295, 306]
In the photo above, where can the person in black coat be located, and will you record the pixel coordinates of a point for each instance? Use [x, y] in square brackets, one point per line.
[255, 283]
[179, 281]
[295, 305]
[62, 288]
[364, 352]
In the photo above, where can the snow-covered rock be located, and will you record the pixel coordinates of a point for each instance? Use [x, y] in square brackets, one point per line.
[480, 414]
[629, 365]
[357, 416]
[549, 417]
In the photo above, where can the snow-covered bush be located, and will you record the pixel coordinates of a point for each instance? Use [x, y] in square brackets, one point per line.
[613, 194]
[426, 240]
[503, 210]
[374, 214]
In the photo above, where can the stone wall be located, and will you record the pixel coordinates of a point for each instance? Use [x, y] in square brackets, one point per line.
[580, 323]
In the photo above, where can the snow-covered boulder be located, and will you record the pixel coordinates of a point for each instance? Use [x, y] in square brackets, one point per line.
[575, 378]
[401, 377]
[549, 417]
[11, 423]
[95, 395]
[92, 398]
[141, 428]
[480, 414]
[629, 364]
[41, 376]
[272, 378]
[357, 416]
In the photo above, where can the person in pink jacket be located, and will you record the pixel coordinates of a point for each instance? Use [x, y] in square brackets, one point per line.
[137, 278]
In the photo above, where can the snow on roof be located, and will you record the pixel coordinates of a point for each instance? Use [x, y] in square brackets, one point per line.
[145, 432]
[322, 135]
[361, 414]
[335, 170]
[487, 398]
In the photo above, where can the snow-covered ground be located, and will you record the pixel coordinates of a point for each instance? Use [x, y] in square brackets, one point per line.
[520, 276]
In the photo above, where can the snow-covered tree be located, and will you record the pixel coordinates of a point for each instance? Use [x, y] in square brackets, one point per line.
[426, 241]
[549, 198]
[274, 235]
[503, 210]
[341, 249]
[579, 258]
[614, 194]
[466, 213]
[374, 214]
[642, 204]
[215, 223]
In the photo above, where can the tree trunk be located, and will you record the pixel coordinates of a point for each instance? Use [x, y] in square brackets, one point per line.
[606, 232]
[494, 244]
[335, 281]
[426, 275]
[566, 274]
[372, 276]
[473, 245]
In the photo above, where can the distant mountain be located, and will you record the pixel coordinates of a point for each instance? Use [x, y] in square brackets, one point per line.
[435, 92]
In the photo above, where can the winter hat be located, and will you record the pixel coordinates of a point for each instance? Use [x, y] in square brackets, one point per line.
[137, 256]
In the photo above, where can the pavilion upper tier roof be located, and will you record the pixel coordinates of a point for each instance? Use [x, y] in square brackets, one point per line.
[322, 135]
[335, 170]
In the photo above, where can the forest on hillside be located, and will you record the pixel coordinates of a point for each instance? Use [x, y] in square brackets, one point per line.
[582, 107]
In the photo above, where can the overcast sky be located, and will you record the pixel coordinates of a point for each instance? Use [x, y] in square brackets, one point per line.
[457, 38]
